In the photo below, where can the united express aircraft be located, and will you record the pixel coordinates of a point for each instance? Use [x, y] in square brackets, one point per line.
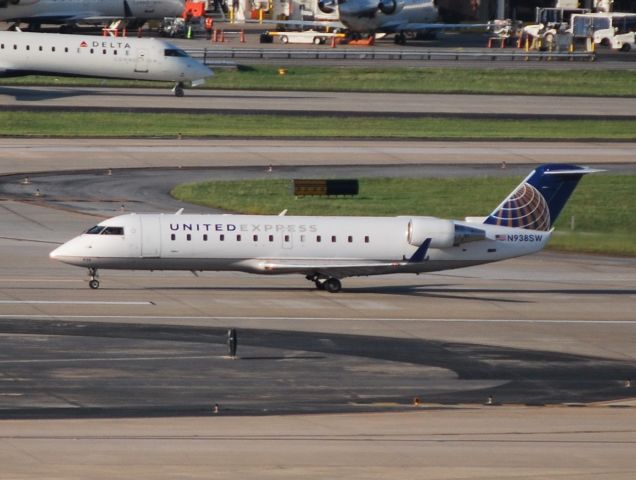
[327, 249]
[25, 53]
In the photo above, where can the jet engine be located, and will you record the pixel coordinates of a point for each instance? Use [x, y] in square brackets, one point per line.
[6, 3]
[387, 6]
[443, 233]
[327, 6]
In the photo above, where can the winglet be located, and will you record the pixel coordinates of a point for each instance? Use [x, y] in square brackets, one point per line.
[420, 253]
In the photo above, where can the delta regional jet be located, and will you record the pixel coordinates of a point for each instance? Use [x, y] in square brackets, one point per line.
[25, 53]
[327, 249]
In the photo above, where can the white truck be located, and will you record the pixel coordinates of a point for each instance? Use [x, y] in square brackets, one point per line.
[611, 29]
[307, 36]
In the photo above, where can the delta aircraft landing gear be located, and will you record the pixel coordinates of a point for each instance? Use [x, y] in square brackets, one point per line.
[93, 282]
[332, 285]
[178, 89]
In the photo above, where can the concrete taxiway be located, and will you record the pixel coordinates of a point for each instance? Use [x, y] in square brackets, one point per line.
[551, 329]
[24, 155]
[318, 103]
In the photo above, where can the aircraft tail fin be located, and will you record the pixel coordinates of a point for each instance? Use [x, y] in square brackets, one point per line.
[537, 202]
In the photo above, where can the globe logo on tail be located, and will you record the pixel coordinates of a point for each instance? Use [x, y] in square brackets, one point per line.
[524, 208]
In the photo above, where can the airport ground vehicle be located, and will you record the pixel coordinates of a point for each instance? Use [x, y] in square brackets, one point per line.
[611, 29]
[307, 36]
[549, 22]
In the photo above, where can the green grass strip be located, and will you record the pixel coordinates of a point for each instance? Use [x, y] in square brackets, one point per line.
[98, 124]
[505, 81]
[601, 208]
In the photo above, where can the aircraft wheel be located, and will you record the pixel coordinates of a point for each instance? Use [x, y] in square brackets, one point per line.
[178, 91]
[94, 284]
[333, 285]
[400, 39]
[320, 285]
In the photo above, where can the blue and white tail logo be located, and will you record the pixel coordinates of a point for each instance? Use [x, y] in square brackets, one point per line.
[536, 203]
[524, 208]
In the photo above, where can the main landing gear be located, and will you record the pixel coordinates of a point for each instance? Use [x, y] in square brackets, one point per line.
[93, 282]
[332, 285]
[178, 89]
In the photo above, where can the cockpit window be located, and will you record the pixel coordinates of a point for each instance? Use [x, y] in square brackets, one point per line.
[96, 230]
[174, 52]
[113, 231]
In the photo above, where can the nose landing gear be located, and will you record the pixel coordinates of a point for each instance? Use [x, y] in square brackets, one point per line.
[178, 89]
[94, 275]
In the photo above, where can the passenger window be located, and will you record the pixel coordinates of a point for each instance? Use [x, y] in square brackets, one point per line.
[333, 239]
[188, 237]
[366, 239]
[238, 238]
[173, 237]
[15, 47]
[205, 237]
[302, 238]
[255, 237]
[65, 49]
[350, 239]
[114, 52]
[91, 50]
[52, 49]
[104, 51]
[286, 238]
[318, 238]
[28, 47]
[271, 238]
[113, 231]
[222, 237]
[40, 48]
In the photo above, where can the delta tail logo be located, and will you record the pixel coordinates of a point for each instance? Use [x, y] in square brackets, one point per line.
[83, 44]
[524, 208]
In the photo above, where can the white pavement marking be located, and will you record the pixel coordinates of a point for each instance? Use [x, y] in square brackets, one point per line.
[68, 302]
[332, 319]
[107, 359]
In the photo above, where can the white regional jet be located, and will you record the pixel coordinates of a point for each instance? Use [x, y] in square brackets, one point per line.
[25, 53]
[401, 17]
[327, 249]
[37, 12]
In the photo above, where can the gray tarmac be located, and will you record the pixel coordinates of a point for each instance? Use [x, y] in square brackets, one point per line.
[314, 103]
[122, 381]
[28, 155]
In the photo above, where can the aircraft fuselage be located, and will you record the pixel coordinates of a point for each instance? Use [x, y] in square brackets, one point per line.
[388, 16]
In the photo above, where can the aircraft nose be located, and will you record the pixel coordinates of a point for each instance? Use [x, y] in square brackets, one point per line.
[58, 252]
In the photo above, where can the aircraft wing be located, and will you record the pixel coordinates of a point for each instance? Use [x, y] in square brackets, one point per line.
[339, 268]
[327, 268]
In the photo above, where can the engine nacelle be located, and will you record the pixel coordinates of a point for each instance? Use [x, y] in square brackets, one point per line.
[327, 6]
[6, 3]
[387, 6]
[443, 233]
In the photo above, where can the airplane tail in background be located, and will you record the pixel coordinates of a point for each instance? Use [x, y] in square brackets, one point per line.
[536, 203]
